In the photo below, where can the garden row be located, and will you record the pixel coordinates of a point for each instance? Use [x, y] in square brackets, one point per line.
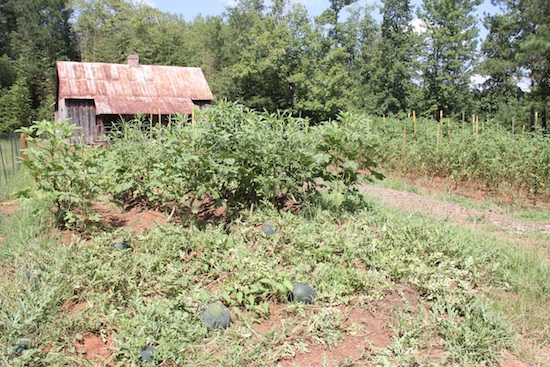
[485, 154]
[228, 156]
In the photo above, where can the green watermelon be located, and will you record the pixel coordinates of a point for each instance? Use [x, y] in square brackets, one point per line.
[121, 245]
[216, 316]
[302, 292]
[146, 353]
[267, 229]
[19, 348]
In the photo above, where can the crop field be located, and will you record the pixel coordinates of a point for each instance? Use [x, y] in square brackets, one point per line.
[483, 155]
[237, 226]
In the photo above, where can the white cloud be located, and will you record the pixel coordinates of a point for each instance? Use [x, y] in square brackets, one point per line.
[150, 3]
[524, 86]
[477, 80]
[418, 25]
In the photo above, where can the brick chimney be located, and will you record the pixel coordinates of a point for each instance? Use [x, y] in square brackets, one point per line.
[133, 61]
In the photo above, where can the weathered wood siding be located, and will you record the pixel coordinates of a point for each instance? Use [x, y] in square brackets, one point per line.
[81, 112]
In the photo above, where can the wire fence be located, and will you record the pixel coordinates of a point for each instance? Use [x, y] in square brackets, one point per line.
[10, 150]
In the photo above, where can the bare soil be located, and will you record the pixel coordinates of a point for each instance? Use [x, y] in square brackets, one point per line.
[412, 202]
[135, 219]
[94, 348]
[8, 208]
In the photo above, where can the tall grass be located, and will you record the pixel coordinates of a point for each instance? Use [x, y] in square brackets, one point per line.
[490, 158]
[54, 294]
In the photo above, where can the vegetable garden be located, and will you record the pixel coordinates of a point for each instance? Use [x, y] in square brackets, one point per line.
[487, 155]
[260, 285]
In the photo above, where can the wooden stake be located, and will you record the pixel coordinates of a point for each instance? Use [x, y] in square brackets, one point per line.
[513, 127]
[404, 139]
[438, 132]
[463, 119]
[536, 121]
[24, 144]
[414, 122]
[477, 127]
[384, 118]
[151, 126]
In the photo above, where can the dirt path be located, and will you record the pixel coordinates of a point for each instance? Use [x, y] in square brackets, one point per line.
[413, 202]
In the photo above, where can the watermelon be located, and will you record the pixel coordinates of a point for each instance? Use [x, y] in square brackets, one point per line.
[302, 292]
[19, 348]
[267, 229]
[216, 316]
[146, 353]
[121, 245]
[34, 274]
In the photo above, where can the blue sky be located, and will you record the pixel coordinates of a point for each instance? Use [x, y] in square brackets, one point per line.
[191, 8]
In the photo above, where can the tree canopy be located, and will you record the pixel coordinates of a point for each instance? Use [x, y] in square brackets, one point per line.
[274, 55]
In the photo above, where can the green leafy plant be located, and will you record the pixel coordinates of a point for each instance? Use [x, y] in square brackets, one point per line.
[235, 157]
[64, 171]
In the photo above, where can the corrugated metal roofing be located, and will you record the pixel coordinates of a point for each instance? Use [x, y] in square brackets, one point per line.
[121, 89]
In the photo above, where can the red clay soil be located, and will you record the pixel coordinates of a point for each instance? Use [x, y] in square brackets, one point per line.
[9, 207]
[135, 219]
[413, 202]
[95, 348]
[366, 326]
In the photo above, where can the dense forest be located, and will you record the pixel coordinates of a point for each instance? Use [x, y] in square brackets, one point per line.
[276, 56]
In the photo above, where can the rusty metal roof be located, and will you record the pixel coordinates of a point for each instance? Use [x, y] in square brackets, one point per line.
[123, 89]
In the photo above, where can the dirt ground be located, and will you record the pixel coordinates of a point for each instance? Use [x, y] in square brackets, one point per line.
[412, 202]
[371, 321]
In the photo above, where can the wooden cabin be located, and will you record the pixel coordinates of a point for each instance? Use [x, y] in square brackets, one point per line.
[94, 96]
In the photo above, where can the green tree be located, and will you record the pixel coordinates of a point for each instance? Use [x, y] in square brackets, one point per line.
[395, 57]
[450, 44]
[15, 106]
[35, 34]
[499, 93]
[531, 24]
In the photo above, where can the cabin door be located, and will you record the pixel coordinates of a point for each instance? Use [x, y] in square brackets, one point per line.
[81, 112]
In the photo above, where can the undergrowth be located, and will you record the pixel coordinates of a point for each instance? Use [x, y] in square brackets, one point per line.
[153, 293]
[491, 159]
[350, 249]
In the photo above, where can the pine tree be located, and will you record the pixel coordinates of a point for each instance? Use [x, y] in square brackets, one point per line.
[394, 64]
[448, 63]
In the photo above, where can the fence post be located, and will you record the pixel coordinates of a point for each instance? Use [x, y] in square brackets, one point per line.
[4, 169]
[23, 145]
[477, 128]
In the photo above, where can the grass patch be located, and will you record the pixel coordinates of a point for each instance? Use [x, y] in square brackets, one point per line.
[534, 215]
[396, 184]
[17, 181]
[153, 293]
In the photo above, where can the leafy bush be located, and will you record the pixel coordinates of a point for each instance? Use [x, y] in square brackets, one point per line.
[235, 157]
[493, 159]
[64, 172]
